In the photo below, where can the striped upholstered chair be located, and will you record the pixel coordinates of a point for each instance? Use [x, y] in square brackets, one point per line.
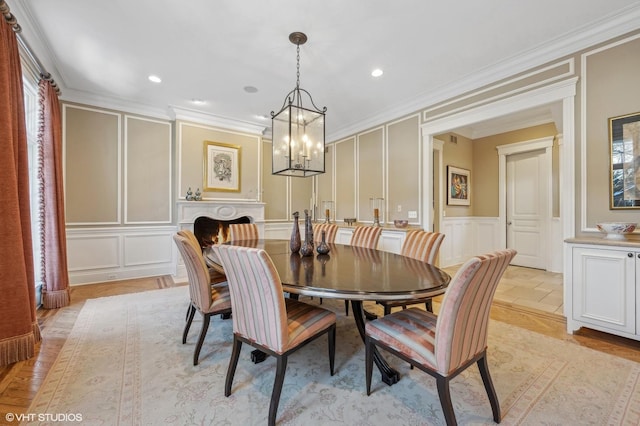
[244, 231]
[424, 246]
[445, 345]
[330, 232]
[216, 274]
[365, 236]
[207, 299]
[264, 319]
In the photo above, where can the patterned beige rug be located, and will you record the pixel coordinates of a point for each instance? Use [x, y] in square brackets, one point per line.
[124, 364]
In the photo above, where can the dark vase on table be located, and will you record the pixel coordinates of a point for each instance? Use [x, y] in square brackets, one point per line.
[323, 248]
[295, 243]
[307, 246]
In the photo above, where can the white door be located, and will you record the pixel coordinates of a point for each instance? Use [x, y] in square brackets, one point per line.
[526, 205]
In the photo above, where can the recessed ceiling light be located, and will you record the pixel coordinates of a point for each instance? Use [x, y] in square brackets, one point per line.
[198, 101]
[250, 89]
[155, 79]
[262, 117]
[377, 72]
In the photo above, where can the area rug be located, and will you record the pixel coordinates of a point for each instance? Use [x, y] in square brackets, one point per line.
[124, 364]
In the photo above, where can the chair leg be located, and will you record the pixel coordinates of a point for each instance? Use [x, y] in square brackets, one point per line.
[233, 363]
[483, 366]
[186, 317]
[368, 362]
[445, 400]
[277, 389]
[387, 310]
[346, 307]
[429, 305]
[203, 332]
[332, 347]
[190, 313]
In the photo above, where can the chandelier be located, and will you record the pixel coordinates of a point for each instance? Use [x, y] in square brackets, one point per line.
[298, 130]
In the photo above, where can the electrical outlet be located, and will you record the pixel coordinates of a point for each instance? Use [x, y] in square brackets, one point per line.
[399, 208]
[112, 276]
[413, 214]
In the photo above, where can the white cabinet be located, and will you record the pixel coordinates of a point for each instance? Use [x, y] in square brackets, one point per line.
[601, 288]
[390, 239]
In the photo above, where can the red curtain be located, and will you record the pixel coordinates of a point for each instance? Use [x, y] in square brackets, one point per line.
[19, 329]
[55, 278]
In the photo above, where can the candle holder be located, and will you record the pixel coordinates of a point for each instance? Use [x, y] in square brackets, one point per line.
[328, 211]
[377, 205]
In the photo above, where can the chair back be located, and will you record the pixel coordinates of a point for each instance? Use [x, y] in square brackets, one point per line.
[244, 231]
[461, 330]
[190, 236]
[366, 236]
[330, 232]
[422, 245]
[257, 299]
[197, 272]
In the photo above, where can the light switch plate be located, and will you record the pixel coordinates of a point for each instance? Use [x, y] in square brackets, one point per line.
[413, 214]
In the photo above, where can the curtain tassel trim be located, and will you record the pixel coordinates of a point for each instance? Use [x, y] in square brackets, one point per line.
[18, 348]
[55, 299]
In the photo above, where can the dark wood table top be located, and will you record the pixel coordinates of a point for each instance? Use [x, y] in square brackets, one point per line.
[351, 273]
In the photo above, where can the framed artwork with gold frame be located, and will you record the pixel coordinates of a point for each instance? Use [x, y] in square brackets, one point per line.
[221, 167]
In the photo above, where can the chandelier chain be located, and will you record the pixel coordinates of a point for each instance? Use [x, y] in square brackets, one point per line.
[298, 66]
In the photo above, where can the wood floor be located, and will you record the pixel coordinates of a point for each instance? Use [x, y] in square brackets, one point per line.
[19, 382]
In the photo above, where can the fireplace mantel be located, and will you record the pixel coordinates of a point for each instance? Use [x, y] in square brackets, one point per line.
[188, 211]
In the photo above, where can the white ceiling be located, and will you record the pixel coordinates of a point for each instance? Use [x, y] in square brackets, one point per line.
[101, 52]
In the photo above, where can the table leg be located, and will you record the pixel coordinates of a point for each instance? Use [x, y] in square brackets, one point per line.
[389, 375]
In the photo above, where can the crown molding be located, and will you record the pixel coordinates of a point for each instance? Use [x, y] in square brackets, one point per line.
[609, 27]
[200, 117]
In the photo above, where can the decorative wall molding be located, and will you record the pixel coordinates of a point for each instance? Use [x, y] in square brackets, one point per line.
[116, 253]
[584, 227]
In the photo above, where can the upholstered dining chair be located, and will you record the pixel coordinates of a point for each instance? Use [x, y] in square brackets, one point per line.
[365, 237]
[420, 245]
[330, 232]
[207, 299]
[264, 319]
[445, 345]
[244, 231]
[216, 273]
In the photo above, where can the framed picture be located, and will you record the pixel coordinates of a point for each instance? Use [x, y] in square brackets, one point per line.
[624, 138]
[458, 186]
[221, 167]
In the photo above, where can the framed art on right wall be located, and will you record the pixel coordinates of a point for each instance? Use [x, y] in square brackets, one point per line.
[458, 186]
[624, 138]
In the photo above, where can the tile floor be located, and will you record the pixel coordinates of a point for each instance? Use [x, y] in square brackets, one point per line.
[532, 288]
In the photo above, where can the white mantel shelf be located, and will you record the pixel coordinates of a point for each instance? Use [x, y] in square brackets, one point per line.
[189, 211]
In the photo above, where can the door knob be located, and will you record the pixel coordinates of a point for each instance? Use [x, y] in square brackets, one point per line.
[509, 223]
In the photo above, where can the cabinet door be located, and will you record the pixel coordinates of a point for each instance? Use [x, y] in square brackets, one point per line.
[344, 235]
[604, 288]
[391, 241]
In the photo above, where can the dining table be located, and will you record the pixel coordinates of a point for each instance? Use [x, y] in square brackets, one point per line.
[351, 273]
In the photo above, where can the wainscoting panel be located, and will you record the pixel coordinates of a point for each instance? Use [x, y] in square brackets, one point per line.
[90, 252]
[466, 237]
[111, 254]
[469, 236]
[147, 249]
